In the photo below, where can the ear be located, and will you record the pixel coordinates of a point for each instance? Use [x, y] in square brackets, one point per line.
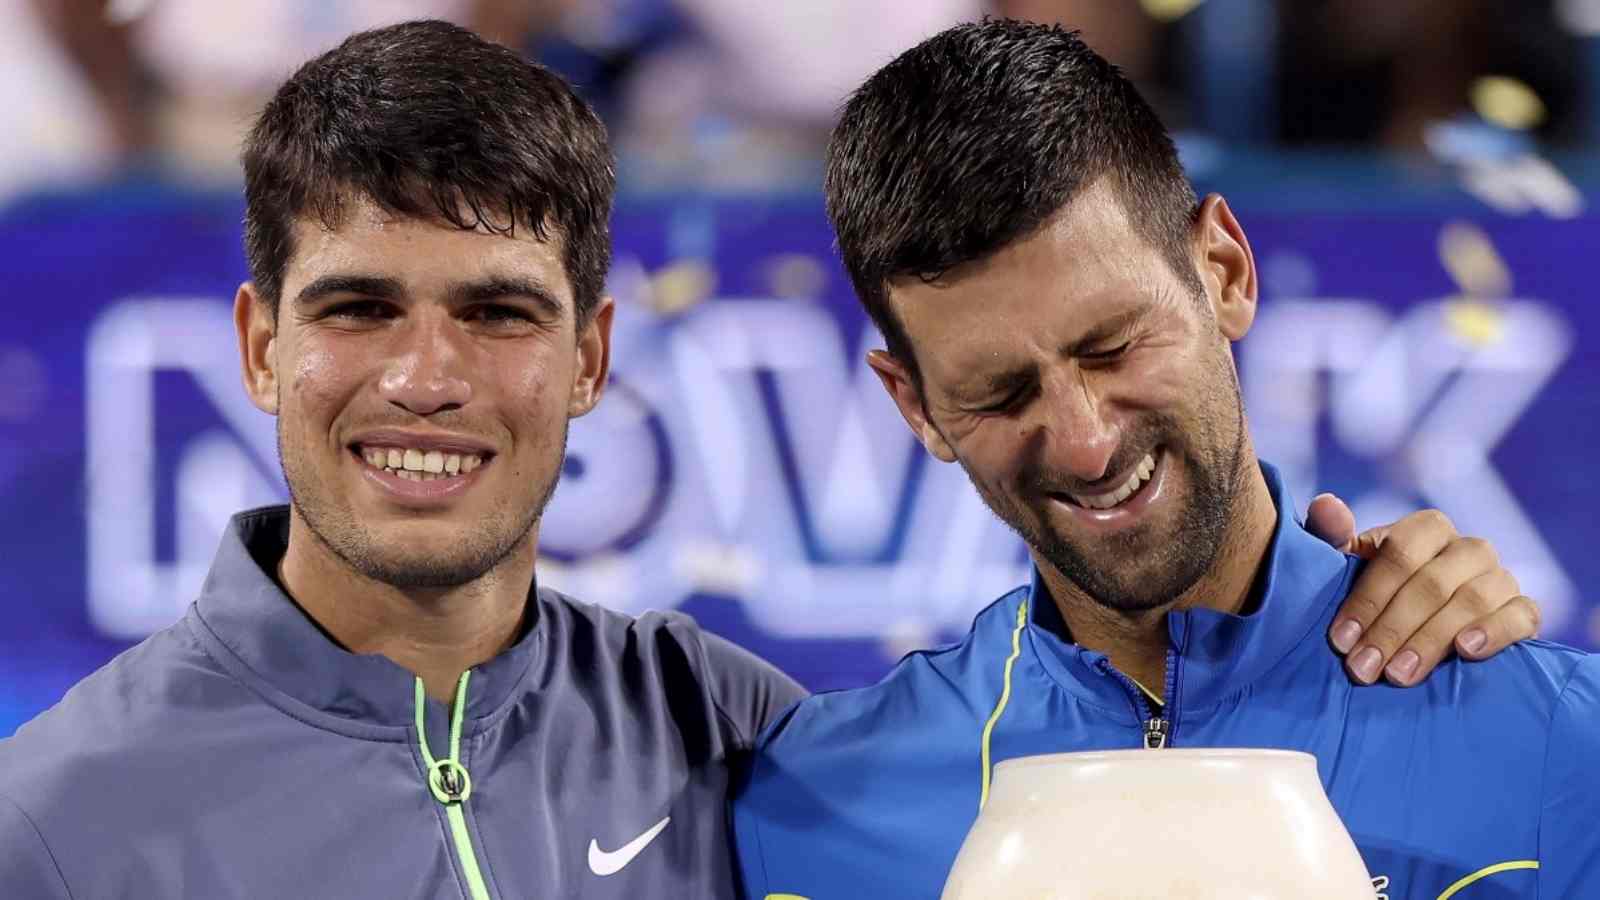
[257, 330]
[1227, 267]
[896, 378]
[594, 359]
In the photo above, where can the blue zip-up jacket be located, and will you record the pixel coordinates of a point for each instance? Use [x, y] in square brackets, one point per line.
[242, 754]
[1484, 782]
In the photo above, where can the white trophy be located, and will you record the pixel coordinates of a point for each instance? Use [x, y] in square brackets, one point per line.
[1176, 823]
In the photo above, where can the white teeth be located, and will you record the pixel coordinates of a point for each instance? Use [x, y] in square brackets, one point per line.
[1141, 473]
[421, 465]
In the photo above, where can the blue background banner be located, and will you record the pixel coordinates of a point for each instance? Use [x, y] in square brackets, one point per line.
[745, 466]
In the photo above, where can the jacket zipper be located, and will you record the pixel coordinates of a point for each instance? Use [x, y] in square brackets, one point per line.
[1157, 729]
[450, 784]
[1155, 734]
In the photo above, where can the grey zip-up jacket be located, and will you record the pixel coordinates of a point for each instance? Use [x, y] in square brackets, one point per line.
[242, 754]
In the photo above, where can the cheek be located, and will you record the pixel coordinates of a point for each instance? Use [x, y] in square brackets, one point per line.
[1158, 379]
[995, 450]
[320, 380]
[529, 379]
[537, 387]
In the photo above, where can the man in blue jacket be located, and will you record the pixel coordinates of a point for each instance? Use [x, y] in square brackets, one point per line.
[1059, 312]
[371, 697]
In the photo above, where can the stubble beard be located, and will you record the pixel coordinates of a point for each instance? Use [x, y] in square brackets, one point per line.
[1138, 570]
[469, 557]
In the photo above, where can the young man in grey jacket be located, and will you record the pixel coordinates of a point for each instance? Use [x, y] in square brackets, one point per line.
[371, 697]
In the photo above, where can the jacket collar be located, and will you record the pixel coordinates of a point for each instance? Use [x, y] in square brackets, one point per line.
[273, 642]
[1219, 653]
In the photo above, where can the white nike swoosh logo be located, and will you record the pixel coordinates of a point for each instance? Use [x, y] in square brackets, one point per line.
[603, 863]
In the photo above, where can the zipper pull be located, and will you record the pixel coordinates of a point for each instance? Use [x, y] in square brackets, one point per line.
[1155, 734]
[449, 781]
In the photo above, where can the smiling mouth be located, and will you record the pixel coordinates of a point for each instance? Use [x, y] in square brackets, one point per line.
[1122, 493]
[415, 464]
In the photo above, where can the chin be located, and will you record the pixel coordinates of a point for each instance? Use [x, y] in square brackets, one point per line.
[414, 572]
[396, 553]
[1128, 603]
[1126, 588]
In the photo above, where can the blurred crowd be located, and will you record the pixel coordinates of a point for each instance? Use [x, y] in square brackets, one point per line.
[733, 93]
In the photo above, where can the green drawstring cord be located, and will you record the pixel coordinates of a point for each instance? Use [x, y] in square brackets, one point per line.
[447, 778]
[451, 785]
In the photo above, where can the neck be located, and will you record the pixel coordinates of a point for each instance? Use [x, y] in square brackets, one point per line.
[1137, 643]
[434, 633]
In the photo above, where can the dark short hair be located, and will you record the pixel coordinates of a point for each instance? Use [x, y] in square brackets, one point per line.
[976, 137]
[427, 119]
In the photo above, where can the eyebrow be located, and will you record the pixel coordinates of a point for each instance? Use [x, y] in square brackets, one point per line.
[985, 387]
[1000, 382]
[462, 294]
[501, 287]
[1008, 380]
[376, 286]
[1107, 329]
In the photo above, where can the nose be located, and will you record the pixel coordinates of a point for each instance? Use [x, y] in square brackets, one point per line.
[426, 374]
[1075, 433]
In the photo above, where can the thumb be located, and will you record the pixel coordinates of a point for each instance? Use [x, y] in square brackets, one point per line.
[1330, 519]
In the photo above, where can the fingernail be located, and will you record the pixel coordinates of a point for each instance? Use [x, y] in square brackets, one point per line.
[1365, 665]
[1402, 667]
[1473, 641]
[1345, 635]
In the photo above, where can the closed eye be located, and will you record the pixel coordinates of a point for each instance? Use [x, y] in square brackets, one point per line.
[1011, 401]
[1106, 355]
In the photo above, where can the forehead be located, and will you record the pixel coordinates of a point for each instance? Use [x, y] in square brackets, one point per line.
[421, 253]
[1083, 266]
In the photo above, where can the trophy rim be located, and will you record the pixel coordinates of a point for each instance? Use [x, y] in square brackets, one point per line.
[1143, 756]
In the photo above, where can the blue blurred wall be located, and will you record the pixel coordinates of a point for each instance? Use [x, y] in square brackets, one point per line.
[1414, 347]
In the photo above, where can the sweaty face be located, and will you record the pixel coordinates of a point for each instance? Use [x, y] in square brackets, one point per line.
[1092, 400]
[424, 379]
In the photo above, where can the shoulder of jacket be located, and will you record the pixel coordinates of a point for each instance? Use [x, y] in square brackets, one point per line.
[568, 611]
[951, 678]
[117, 706]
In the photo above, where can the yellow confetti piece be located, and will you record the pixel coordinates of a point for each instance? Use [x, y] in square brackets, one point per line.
[1476, 322]
[1467, 253]
[681, 286]
[1168, 10]
[1507, 102]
